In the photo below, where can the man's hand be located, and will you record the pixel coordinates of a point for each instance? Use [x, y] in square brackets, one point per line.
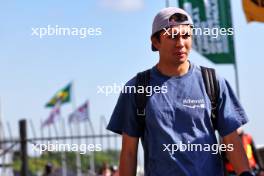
[128, 158]
[237, 157]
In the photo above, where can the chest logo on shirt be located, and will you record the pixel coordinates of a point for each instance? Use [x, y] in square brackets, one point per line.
[193, 103]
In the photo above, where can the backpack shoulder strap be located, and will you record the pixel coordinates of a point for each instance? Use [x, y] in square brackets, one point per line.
[212, 90]
[210, 82]
[142, 80]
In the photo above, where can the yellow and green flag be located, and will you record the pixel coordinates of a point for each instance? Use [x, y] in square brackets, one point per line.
[61, 97]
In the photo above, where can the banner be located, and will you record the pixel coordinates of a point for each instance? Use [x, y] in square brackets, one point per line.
[254, 10]
[213, 31]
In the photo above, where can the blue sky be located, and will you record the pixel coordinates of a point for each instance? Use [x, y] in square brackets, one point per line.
[33, 69]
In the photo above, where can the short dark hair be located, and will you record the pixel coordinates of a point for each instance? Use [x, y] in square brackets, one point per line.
[157, 35]
[179, 17]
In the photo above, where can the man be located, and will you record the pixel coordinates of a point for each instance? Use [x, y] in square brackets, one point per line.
[179, 116]
[105, 170]
[251, 153]
[48, 169]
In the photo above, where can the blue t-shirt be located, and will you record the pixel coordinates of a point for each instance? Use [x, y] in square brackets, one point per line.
[179, 119]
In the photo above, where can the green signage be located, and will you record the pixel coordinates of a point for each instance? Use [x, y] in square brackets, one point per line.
[213, 31]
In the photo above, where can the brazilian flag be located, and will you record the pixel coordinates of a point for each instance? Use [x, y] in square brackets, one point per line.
[61, 97]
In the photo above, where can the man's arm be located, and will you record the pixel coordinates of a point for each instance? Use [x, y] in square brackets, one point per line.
[128, 158]
[237, 157]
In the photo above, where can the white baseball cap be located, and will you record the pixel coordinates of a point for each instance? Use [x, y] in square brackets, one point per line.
[169, 17]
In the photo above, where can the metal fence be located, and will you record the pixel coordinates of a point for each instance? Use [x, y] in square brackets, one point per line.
[36, 150]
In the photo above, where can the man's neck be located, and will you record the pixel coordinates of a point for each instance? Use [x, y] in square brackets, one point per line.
[173, 70]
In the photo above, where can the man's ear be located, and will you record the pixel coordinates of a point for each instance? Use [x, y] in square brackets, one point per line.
[155, 42]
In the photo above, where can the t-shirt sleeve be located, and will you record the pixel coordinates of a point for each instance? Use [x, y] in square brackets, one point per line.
[231, 114]
[124, 117]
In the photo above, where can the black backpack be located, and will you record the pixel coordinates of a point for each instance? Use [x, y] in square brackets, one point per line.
[210, 82]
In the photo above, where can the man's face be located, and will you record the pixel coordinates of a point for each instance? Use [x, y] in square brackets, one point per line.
[175, 44]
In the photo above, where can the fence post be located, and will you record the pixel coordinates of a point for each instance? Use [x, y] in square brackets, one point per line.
[23, 147]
